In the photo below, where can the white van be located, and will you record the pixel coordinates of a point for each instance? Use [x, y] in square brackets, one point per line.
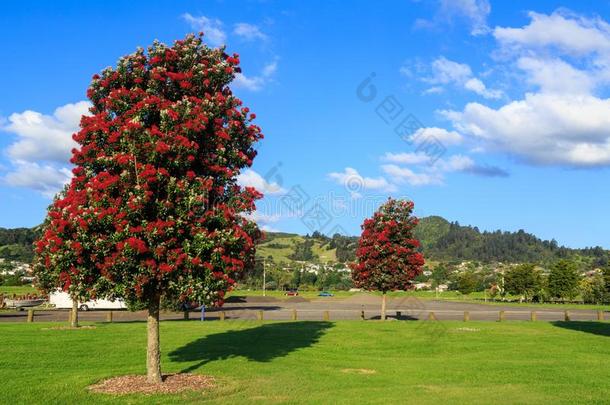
[62, 300]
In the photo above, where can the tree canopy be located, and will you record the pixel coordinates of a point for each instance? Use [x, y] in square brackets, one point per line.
[153, 208]
[387, 257]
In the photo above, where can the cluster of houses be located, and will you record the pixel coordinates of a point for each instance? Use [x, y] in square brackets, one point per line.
[10, 268]
[316, 268]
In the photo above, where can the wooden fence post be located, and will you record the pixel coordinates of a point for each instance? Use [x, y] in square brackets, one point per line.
[566, 316]
[501, 316]
[109, 317]
[259, 315]
[600, 315]
[326, 316]
[533, 316]
[186, 315]
[466, 316]
[30, 315]
[294, 314]
[222, 315]
[431, 316]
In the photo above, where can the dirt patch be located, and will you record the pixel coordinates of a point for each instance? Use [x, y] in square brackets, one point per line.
[468, 330]
[250, 299]
[69, 328]
[137, 384]
[359, 371]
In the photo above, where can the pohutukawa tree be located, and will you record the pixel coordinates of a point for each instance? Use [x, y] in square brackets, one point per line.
[153, 209]
[387, 258]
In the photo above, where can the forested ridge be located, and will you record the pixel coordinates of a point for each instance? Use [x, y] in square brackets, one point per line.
[440, 239]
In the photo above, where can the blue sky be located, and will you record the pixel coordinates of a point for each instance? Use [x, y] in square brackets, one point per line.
[511, 101]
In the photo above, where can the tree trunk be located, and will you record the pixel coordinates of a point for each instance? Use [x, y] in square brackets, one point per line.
[74, 314]
[153, 354]
[383, 305]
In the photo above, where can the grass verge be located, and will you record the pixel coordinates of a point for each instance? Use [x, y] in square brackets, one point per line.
[318, 362]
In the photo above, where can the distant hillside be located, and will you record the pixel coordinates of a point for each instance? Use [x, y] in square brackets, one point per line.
[444, 240]
[441, 240]
[16, 244]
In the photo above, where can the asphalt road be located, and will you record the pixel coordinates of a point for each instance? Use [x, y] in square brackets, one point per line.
[408, 308]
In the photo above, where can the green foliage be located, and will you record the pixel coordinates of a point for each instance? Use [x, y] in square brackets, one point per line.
[12, 280]
[593, 290]
[19, 236]
[563, 280]
[346, 247]
[17, 252]
[430, 230]
[439, 275]
[606, 276]
[443, 240]
[525, 280]
[16, 243]
[302, 251]
[467, 282]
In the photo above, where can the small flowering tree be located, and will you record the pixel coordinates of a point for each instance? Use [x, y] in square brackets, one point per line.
[153, 209]
[387, 257]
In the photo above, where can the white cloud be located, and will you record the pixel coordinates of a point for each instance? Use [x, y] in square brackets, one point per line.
[561, 119]
[432, 172]
[448, 72]
[250, 178]
[356, 183]
[40, 153]
[434, 90]
[473, 12]
[552, 75]
[439, 134]
[256, 83]
[566, 32]
[544, 128]
[45, 137]
[46, 179]
[264, 221]
[249, 32]
[211, 27]
[269, 69]
[250, 83]
[406, 158]
[403, 175]
[477, 86]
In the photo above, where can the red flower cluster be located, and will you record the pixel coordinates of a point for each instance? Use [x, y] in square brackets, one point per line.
[153, 208]
[387, 256]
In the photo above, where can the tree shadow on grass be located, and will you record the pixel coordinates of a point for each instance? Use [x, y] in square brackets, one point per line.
[262, 343]
[596, 328]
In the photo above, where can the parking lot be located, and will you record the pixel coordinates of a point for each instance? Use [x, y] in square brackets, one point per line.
[330, 308]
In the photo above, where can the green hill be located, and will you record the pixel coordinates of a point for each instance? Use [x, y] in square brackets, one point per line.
[441, 240]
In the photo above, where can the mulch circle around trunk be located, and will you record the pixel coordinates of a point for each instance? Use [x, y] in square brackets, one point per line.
[137, 384]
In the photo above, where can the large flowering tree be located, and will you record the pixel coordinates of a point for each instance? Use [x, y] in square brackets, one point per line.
[387, 258]
[153, 209]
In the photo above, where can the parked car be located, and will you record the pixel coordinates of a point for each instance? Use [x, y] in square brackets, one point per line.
[325, 294]
[292, 293]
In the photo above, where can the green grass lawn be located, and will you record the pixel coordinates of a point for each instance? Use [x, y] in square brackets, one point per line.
[319, 362]
[19, 290]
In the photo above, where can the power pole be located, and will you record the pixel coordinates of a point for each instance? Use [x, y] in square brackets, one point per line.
[264, 277]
